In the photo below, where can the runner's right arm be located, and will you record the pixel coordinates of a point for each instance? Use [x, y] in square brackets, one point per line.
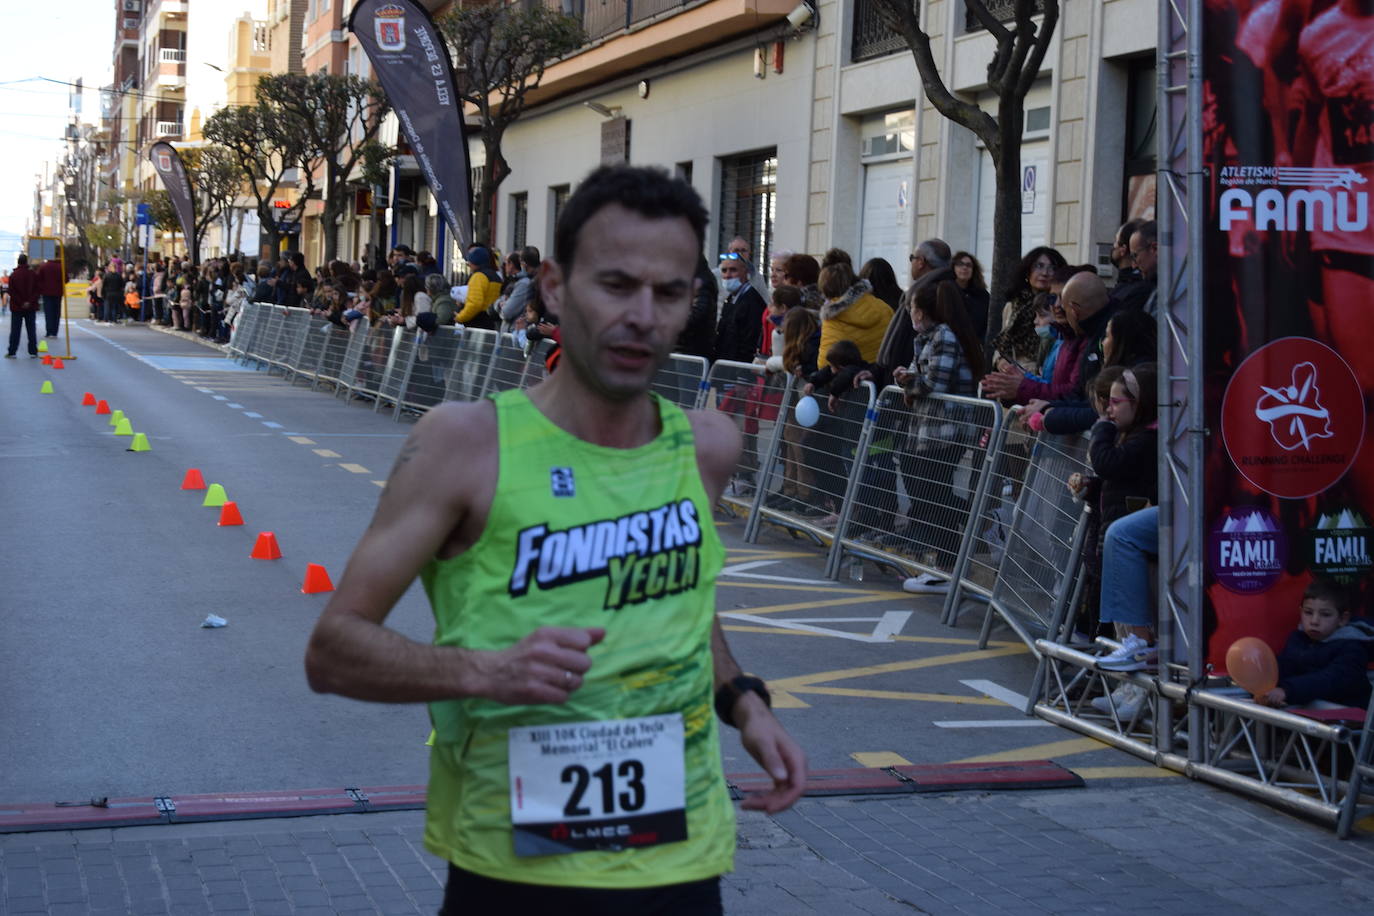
[428, 498]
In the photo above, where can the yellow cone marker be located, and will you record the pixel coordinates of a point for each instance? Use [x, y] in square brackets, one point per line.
[46, 389]
[42, 346]
[214, 496]
[116, 417]
[125, 428]
[140, 444]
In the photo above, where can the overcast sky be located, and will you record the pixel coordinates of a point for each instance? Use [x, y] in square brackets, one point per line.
[60, 41]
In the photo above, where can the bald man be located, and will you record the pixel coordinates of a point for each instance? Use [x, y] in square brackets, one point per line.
[1088, 307]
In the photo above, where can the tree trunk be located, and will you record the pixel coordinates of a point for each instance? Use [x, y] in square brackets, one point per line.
[333, 209]
[1006, 217]
[267, 217]
[484, 223]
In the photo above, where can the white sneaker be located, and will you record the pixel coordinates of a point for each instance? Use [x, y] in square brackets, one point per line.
[926, 584]
[1128, 699]
[1134, 654]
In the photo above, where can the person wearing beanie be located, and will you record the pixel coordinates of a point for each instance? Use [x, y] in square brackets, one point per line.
[484, 288]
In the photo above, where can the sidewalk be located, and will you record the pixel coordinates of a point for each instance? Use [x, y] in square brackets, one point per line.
[1173, 847]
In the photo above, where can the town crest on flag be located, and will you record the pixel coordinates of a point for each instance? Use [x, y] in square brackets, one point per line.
[389, 23]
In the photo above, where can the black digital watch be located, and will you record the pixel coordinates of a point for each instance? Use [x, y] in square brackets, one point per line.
[729, 693]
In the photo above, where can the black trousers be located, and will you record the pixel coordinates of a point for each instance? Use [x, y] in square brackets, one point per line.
[20, 320]
[467, 893]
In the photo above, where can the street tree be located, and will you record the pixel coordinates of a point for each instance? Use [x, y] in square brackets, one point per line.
[163, 214]
[335, 119]
[269, 155]
[501, 54]
[105, 238]
[215, 179]
[1020, 45]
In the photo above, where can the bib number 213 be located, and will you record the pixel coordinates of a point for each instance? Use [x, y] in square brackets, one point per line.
[614, 784]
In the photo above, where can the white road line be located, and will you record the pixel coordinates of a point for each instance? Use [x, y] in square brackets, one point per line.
[739, 571]
[206, 390]
[998, 692]
[992, 723]
[887, 625]
[255, 416]
[270, 424]
[234, 406]
[219, 397]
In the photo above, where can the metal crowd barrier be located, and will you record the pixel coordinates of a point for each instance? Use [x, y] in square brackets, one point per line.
[947, 486]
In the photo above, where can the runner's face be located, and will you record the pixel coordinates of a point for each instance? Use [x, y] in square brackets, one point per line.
[625, 300]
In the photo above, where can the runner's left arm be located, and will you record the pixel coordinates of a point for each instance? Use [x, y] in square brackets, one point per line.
[763, 736]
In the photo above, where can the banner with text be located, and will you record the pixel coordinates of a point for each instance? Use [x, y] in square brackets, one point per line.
[167, 162]
[411, 61]
[1288, 127]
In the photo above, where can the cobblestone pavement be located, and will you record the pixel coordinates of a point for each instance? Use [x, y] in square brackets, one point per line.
[1171, 847]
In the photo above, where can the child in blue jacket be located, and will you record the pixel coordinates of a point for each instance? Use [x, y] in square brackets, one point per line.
[1325, 658]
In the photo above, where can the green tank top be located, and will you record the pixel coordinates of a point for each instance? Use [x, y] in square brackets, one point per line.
[580, 535]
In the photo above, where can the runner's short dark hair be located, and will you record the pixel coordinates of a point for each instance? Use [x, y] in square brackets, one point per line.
[650, 192]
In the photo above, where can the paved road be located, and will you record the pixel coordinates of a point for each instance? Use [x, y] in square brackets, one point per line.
[112, 688]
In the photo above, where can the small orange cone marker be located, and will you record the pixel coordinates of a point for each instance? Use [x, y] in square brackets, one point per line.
[266, 548]
[102, 407]
[316, 580]
[193, 480]
[88, 400]
[47, 359]
[229, 514]
[57, 362]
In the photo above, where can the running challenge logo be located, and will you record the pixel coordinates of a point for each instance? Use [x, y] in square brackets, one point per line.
[643, 555]
[1293, 417]
[1327, 199]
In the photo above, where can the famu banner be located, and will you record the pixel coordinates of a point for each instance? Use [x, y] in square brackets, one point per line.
[1288, 123]
[412, 63]
[170, 169]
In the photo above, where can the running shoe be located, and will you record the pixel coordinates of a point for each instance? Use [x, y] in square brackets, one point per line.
[1134, 654]
[926, 584]
[1128, 699]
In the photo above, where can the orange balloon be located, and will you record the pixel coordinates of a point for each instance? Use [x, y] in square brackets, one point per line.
[1252, 665]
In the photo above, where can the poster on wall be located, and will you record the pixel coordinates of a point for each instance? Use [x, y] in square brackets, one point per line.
[1288, 274]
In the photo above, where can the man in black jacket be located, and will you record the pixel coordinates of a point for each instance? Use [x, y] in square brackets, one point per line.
[741, 316]
[698, 338]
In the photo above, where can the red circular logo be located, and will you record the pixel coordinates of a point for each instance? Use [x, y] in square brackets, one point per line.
[1293, 418]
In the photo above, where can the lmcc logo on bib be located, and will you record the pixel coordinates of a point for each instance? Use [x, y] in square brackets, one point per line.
[1292, 418]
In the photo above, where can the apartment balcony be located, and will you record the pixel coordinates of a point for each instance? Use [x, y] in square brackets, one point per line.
[872, 37]
[627, 35]
[171, 56]
[164, 129]
[1002, 11]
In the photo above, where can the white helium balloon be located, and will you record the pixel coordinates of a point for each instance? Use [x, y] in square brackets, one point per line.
[807, 411]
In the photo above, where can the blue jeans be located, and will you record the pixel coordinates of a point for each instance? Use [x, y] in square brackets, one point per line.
[110, 309]
[52, 313]
[1131, 542]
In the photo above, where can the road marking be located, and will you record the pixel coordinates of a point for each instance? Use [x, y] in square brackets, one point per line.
[249, 413]
[879, 759]
[380, 483]
[1040, 751]
[998, 692]
[187, 382]
[843, 598]
[206, 390]
[992, 723]
[234, 406]
[219, 397]
[355, 468]
[741, 570]
[895, 695]
[301, 440]
[888, 625]
[326, 453]
[823, 677]
[270, 425]
[1125, 772]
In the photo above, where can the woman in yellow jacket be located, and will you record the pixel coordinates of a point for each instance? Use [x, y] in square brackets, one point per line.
[851, 311]
[484, 288]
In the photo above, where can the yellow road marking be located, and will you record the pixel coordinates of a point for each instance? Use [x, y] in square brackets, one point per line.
[326, 453]
[1126, 772]
[821, 677]
[822, 589]
[879, 759]
[841, 601]
[355, 468]
[935, 640]
[752, 555]
[301, 440]
[898, 695]
[1040, 751]
[784, 700]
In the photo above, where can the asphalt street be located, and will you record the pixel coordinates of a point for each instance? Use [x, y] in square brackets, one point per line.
[112, 688]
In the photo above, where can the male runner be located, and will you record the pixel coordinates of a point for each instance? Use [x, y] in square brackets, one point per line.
[564, 537]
